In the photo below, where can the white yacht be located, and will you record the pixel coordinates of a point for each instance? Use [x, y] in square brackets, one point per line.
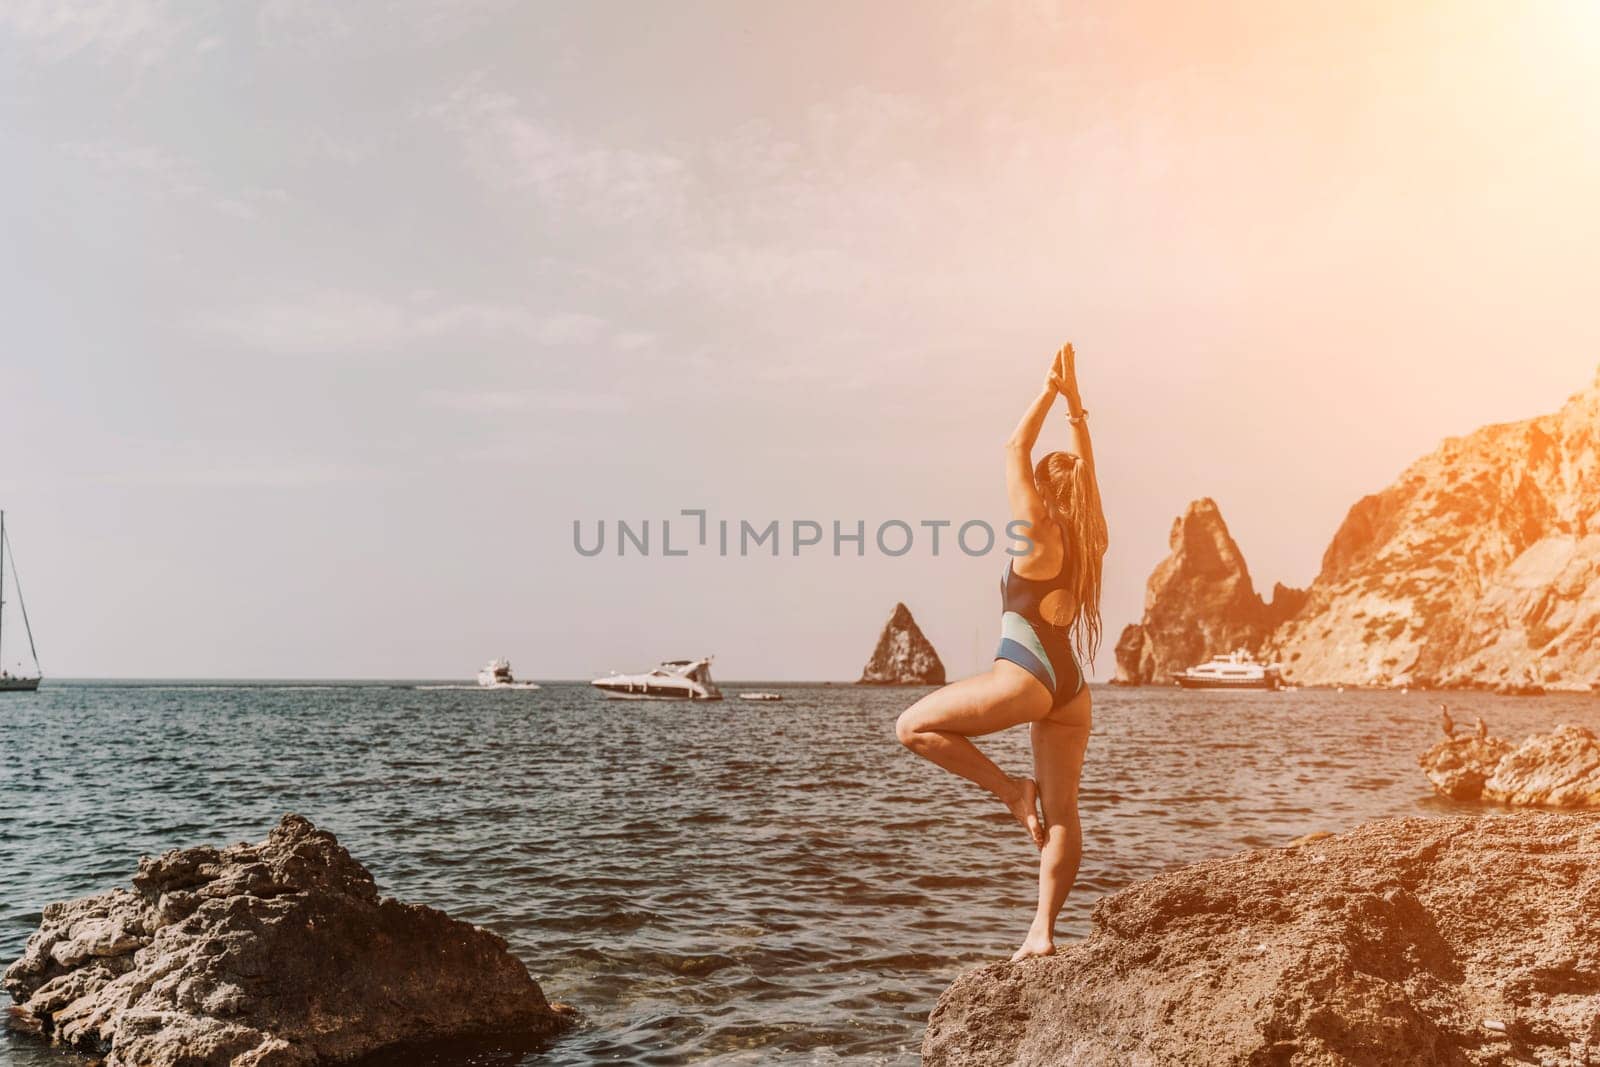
[1234, 670]
[676, 679]
[497, 675]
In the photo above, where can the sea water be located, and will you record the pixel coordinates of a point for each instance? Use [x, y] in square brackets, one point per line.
[732, 882]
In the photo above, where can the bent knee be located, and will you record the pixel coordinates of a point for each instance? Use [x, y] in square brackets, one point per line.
[911, 730]
[905, 729]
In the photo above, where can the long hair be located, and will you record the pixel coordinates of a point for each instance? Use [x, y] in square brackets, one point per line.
[1073, 500]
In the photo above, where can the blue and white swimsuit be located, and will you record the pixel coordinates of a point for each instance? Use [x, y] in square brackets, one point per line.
[1026, 639]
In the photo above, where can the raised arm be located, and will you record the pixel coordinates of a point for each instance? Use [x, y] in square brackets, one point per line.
[1022, 494]
[1066, 372]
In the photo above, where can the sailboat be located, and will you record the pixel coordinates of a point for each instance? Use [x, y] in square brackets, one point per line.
[14, 683]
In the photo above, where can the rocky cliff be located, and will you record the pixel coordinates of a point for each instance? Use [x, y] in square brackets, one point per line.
[277, 954]
[1199, 601]
[1410, 941]
[1479, 566]
[903, 656]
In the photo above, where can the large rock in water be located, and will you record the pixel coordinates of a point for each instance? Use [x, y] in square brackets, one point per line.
[1560, 769]
[903, 655]
[1410, 941]
[278, 954]
[1479, 567]
[1200, 601]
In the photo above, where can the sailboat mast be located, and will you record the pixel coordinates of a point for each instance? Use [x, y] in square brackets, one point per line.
[16, 581]
[2, 587]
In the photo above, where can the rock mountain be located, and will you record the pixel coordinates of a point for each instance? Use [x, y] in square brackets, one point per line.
[1478, 567]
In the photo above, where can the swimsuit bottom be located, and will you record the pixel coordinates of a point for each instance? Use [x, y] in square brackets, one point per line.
[1044, 652]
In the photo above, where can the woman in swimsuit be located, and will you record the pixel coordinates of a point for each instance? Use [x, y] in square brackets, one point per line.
[1050, 598]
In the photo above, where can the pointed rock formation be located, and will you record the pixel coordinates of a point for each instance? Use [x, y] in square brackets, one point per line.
[1200, 601]
[276, 954]
[1479, 567]
[903, 656]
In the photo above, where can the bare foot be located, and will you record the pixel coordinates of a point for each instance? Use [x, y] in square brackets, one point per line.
[1035, 944]
[1025, 808]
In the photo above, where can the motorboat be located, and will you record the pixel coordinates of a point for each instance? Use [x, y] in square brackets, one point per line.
[20, 682]
[676, 679]
[1233, 670]
[761, 696]
[497, 675]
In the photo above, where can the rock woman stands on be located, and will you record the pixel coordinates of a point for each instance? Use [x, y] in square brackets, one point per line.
[1050, 624]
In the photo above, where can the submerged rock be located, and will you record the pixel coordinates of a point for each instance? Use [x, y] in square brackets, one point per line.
[1398, 942]
[1560, 769]
[276, 954]
[903, 656]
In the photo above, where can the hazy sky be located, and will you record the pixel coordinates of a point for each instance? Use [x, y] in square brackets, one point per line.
[322, 323]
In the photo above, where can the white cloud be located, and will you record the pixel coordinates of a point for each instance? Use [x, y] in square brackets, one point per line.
[568, 328]
[481, 319]
[197, 470]
[161, 169]
[330, 321]
[338, 320]
[509, 149]
[302, 25]
[162, 174]
[317, 27]
[634, 341]
[571, 329]
[142, 31]
[513, 401]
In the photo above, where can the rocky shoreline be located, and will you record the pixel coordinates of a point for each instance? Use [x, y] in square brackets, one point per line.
[1449, 941]
[275, 954]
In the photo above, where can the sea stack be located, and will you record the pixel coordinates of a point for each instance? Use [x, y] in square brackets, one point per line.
[903, 656]
[276, 954]
[1199, 602]
[1407, 941]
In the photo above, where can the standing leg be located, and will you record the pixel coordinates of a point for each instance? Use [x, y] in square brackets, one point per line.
[1059, 742]
[938, 726]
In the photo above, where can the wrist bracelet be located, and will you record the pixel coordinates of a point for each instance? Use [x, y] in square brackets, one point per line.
[1079, 417]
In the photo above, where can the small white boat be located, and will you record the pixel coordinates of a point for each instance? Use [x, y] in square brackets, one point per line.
[761, 696]
[1234, 670]
[676, 679]
[497, 675]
